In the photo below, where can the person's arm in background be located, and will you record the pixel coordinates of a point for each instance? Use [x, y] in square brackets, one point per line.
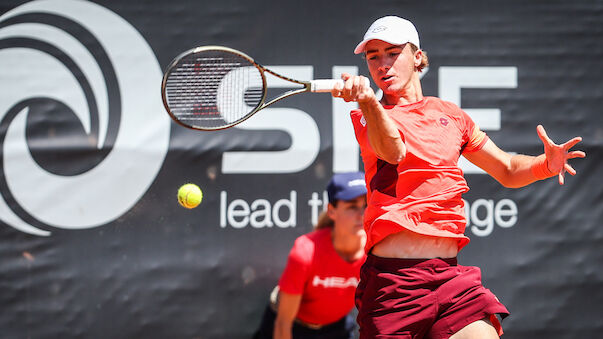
[288, 305]
[521, 170]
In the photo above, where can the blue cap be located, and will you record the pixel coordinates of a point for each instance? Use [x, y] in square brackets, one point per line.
[346, 186]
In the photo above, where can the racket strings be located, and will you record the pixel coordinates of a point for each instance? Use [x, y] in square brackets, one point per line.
[213, 89]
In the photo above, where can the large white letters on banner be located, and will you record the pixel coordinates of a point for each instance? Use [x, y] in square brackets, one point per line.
[301, 127]
[452, 79]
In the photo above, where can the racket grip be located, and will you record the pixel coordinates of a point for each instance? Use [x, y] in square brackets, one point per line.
[326, 85]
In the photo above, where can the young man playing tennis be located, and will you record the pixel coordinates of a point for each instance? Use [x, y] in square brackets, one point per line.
[411, 285]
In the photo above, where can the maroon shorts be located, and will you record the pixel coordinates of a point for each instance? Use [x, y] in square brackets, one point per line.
[422, 298]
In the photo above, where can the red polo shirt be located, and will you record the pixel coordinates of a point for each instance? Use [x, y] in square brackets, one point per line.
[326, 281]
[423, 192]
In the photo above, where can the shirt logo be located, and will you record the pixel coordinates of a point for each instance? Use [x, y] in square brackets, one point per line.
[335, 282]
[444, 121]
[363, 121]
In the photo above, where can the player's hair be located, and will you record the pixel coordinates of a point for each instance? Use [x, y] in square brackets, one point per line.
[424, 61]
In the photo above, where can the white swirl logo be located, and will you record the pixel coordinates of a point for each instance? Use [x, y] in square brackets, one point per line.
[82, 131]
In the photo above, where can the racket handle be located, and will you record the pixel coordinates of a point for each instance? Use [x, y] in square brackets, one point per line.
[326, 85]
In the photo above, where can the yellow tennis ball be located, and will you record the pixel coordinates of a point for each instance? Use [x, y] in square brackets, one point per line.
[189, 195]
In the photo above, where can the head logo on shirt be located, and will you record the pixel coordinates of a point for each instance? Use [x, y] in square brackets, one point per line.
[335, 282]
[444, 121]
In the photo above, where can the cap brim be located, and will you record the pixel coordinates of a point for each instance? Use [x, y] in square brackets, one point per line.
[360, 47]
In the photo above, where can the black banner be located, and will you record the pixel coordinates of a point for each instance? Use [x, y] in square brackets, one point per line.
[94, 243]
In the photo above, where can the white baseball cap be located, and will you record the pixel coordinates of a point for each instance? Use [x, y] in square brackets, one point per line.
[391, 29]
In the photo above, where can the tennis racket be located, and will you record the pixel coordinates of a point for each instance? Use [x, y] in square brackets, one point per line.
[213, 87]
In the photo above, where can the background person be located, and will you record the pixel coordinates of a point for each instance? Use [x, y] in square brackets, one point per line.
[315, 293]
[411, 285]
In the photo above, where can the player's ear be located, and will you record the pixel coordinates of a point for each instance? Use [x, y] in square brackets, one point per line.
[418, 57]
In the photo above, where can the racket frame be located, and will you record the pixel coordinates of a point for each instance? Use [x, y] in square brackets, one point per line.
[307, 86]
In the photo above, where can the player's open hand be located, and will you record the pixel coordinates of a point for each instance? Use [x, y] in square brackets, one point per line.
[355, 88]
[558, 155]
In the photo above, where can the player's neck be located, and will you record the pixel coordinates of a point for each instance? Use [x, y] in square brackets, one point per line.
[411, 93]
[349, 247]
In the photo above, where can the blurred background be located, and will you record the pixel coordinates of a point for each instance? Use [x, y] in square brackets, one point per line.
[94, 244]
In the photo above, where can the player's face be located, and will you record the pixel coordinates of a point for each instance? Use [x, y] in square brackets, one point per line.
[348, 215]
[391, 66]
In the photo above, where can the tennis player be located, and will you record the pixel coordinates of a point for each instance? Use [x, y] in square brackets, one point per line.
[411, 285]
[316, 290]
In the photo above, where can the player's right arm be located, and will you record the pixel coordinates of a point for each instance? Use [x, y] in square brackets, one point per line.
[384, 137]
[288, 305]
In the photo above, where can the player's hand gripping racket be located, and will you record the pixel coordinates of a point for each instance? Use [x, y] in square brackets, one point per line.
[213, 87]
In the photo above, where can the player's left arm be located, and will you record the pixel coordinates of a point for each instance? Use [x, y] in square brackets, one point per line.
[521, 170]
